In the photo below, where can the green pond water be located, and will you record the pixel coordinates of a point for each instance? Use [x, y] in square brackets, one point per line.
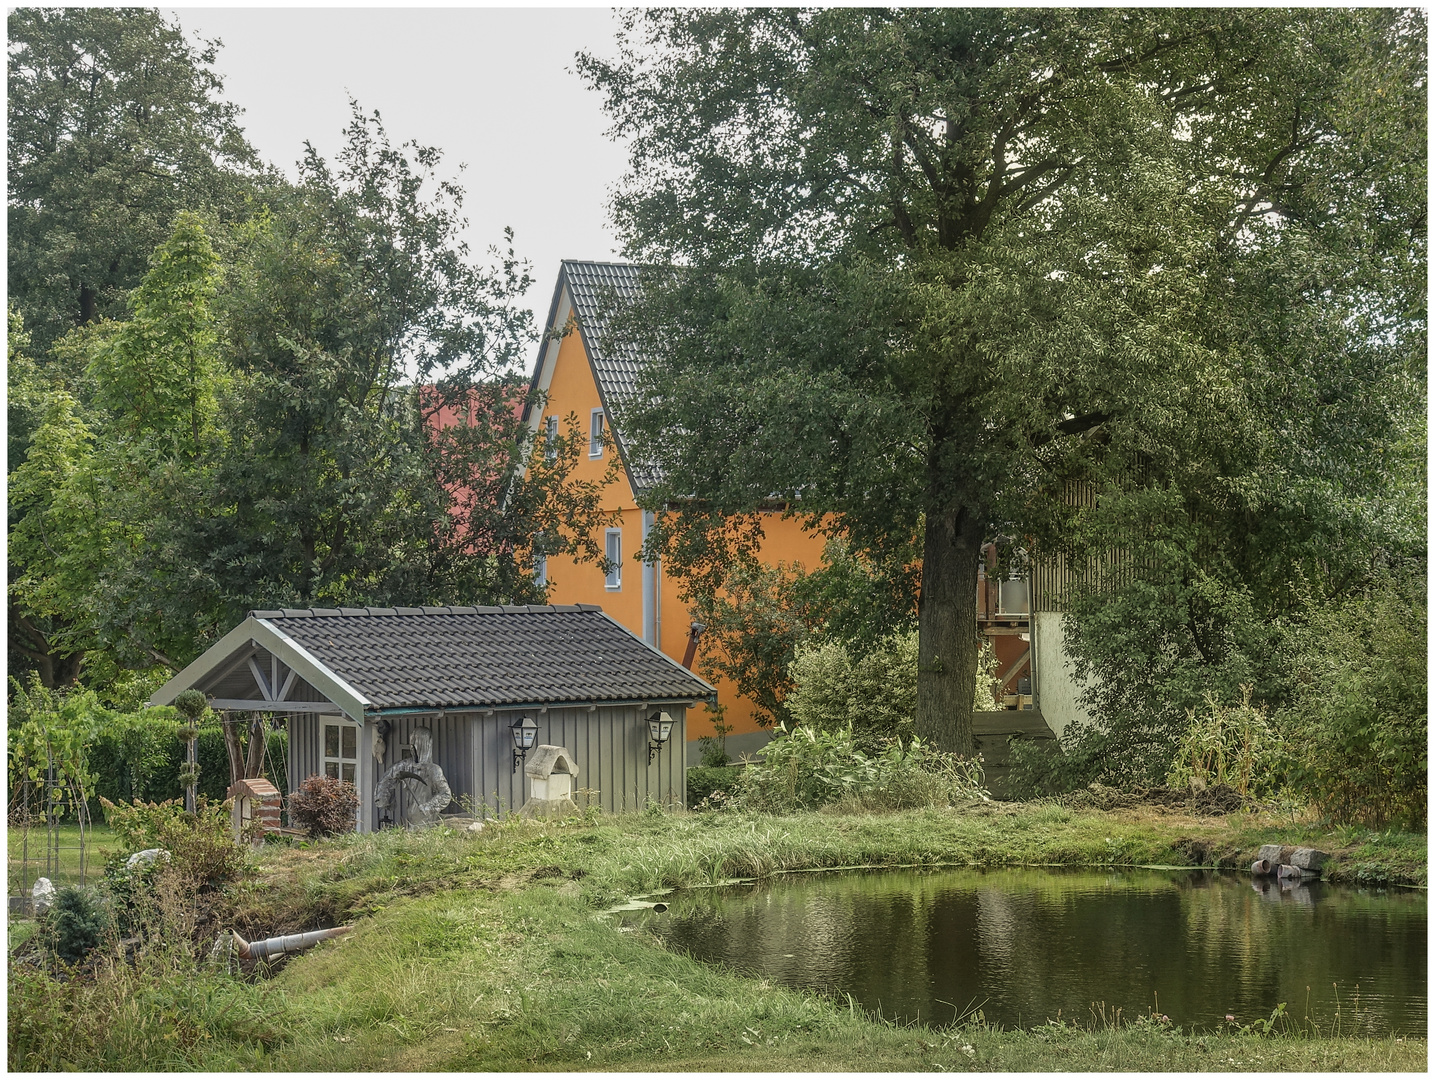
[1027, 946]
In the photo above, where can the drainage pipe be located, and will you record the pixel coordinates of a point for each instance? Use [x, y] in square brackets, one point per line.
[288, 943]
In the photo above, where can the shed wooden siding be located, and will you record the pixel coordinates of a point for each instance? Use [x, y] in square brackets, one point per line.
[305, 759]
[609, 746]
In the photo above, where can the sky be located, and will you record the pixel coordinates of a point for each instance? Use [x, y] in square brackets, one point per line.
[494, 88]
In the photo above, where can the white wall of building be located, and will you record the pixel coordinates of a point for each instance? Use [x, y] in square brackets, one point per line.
[1057, 689]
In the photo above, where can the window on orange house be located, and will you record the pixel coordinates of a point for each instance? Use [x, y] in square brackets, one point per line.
[595, 433]
[613, 549]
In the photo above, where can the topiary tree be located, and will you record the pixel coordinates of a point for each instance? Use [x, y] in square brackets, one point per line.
[191, 704]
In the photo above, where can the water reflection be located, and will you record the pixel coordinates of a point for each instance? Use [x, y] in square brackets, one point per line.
[1029, 945]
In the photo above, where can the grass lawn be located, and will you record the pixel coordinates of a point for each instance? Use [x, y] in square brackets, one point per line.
[489, 952]
[100, 843]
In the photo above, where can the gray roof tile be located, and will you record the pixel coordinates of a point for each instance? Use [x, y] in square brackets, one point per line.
[436, 657]
[597, 288]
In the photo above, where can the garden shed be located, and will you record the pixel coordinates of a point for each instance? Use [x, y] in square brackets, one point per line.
[355, 683]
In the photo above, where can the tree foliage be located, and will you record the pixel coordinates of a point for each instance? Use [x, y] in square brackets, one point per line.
[115, 125]
[314, 406]
[936, 266]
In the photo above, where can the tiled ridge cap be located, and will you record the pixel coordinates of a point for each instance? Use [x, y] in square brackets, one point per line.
[332, 613]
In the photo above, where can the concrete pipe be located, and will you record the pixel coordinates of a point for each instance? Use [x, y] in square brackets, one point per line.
[1288, 873]
[288, 943]
[1260, 868]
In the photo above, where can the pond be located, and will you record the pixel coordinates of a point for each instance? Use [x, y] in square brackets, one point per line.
[1025, 946]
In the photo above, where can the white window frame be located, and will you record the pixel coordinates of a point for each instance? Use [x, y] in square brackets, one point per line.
[595, 433]
[613, 545]
[550, 443]
[540, 571]
[340, 722]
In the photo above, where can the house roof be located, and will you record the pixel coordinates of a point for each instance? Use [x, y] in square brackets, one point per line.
[596, 290]
[382, 659]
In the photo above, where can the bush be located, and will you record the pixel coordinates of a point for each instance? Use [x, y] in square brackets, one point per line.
[77, 923]
[702, 782]
[1359, 725]
[1045, 767]
[875, 695]
[806, 768]
[324, 806]
[201, 844]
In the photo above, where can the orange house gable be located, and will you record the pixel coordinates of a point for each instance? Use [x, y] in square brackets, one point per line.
[575, 377]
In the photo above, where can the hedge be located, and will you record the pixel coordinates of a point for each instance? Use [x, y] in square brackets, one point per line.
[139, 757]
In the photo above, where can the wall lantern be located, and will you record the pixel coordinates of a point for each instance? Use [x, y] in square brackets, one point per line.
[660, 726]
[524, 730]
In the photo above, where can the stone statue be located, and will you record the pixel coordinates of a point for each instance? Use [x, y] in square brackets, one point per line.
[421, 781]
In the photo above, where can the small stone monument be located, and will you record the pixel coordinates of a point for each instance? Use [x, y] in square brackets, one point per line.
[42, 896]
[550, 774]
[422, 781]
[255, 811]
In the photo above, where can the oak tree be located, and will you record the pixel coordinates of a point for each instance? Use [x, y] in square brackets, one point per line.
[932, 267]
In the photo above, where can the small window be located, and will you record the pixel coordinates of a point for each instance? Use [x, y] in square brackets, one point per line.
[341, 750]
[595, 433]
[550, 443]
[540, 571]
[613, 549]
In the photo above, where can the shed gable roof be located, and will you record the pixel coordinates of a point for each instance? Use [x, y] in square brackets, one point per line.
[453, 657]
[485, 656]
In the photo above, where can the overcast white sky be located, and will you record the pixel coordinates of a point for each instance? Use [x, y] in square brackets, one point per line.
[493, 88]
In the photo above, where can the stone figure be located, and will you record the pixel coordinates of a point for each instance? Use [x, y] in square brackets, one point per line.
[422, 782]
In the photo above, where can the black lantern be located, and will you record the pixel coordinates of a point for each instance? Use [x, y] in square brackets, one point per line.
[524, 730]
[660, 726]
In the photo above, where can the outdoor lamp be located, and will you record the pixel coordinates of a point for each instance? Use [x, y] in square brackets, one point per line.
[524, 730]
[660, 726]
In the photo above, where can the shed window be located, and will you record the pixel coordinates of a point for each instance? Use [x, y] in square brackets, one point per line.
[595, 433]
[613, 550]
[550, 444]
[341, 749]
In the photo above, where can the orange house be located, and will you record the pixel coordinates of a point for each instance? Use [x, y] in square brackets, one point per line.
[574, 375]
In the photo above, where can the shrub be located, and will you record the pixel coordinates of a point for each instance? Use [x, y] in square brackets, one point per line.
[808, 768]
[1359, 724]
[703, 781]
[201, 844]
[1043, 767]
[324, 806]
[875, 694]
[76, 923]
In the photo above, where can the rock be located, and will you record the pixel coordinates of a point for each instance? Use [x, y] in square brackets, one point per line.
[147, 857]
[476, 826]
[1270, 853]
[42, 895]
[1309, 859]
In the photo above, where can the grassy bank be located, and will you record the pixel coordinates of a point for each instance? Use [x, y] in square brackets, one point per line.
[489, 952]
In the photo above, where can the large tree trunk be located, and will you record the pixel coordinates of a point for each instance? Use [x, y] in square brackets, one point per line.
[947, 646]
